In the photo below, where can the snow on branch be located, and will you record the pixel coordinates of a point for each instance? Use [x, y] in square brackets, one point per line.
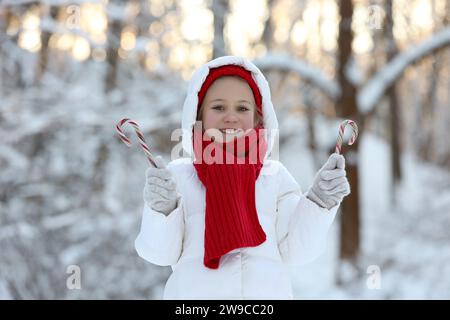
[375, 88]
[55, 27]
[309, 73]
[14, 157]
[16, 2]
[46, 2]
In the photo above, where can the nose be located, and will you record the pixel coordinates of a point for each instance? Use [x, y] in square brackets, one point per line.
[231, 117]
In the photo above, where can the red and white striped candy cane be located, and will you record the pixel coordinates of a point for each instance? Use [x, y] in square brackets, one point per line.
[142, 142]
[341, 134]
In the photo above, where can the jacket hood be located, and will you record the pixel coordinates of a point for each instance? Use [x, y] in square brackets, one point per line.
[270, 121]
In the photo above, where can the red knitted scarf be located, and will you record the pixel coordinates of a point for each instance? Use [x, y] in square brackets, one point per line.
[229, 172]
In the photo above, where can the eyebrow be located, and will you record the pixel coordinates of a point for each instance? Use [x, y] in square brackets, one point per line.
[224, 100]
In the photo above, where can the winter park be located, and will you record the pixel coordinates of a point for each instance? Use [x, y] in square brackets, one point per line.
[114, 116]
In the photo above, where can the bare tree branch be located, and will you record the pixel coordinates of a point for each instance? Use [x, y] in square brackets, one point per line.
[371, 93]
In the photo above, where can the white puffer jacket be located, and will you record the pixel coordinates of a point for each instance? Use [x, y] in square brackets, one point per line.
[296, 228]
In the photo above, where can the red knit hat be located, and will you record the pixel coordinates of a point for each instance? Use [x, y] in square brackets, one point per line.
[230, 70]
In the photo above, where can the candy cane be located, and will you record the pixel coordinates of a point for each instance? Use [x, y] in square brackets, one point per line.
[341, 134]
[142, 142]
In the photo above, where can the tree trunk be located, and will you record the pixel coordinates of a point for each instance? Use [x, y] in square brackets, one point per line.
[14, 77]
[427, 147]
[112, 54]
[391, 52]
[45, 37]
[346, 107]
[220, 9]
[267, 36]
[5, 17]
[310, 115]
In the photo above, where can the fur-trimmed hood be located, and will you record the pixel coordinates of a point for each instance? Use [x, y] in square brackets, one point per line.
[190, 104]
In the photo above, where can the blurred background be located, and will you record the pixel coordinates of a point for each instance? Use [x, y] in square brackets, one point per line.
[71, 191]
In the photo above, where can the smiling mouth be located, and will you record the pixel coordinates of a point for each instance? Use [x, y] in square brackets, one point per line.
[231, 131]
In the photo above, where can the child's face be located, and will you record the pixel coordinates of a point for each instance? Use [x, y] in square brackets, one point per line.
[229, 104]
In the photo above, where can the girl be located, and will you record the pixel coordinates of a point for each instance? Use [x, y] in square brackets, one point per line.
[230, 220]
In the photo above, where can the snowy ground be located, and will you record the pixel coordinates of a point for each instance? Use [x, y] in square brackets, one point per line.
[409, 242]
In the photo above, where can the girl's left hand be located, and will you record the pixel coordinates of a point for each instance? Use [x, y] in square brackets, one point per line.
[330, 184]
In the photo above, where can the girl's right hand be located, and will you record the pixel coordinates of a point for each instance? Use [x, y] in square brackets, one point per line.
[160, 192]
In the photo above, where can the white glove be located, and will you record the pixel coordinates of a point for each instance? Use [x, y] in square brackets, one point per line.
[160, 192]
[330, 184]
